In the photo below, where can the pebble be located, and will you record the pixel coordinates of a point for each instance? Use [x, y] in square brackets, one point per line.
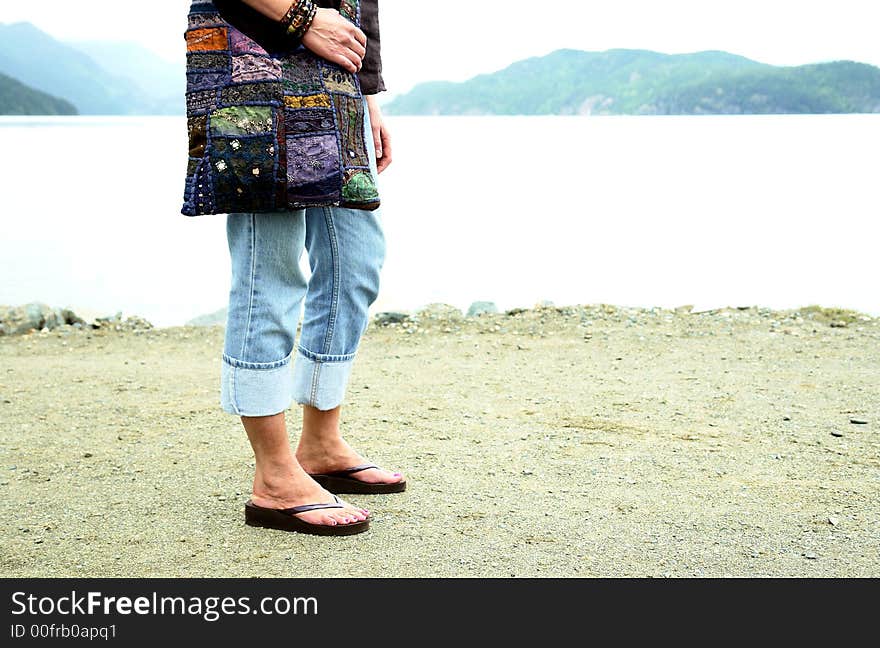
[390, 317]
[836, 433]
[810, 556]
[858, 421]
[833, 521]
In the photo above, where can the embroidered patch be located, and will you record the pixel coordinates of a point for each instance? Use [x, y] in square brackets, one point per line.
[350, 119]
[197, 128]
[243, 170]
[359, 187]
[336, 80]
[201, 40]
[207, 61]
[201, 102]
[198, 80]
[349, 9]
[242, 120]
[299, 76]
[241, 43]
[198, 20]
[199, 191]
[247, 67]
[261, 92]
[308, 101]
[308, 120]
[313, 169]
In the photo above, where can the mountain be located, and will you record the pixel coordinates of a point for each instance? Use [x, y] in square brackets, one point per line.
[42, 62]
[640, 82]
[18, 99]
[162, 81]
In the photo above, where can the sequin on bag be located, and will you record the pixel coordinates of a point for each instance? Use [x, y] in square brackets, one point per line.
[270, 129]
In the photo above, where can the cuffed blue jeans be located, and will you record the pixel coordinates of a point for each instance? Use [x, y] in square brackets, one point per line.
[262, 368]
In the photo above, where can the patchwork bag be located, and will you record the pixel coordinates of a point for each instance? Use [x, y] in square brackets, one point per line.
[271, 126]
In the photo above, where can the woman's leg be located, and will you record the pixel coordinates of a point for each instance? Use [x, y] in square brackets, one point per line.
[267, 290]
[280, 482]
[346, 253]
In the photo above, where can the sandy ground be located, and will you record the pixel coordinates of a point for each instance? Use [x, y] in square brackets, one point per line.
[578, 441]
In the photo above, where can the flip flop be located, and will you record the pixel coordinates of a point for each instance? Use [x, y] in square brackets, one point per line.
[284, 519]
[339, 481]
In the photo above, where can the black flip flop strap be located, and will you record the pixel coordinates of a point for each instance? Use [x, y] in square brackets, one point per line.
[351, 471]
[313, 507]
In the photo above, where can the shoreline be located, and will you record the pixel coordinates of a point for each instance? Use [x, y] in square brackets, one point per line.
[36, 317]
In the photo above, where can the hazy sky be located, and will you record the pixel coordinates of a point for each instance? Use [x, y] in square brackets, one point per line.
[469, 37]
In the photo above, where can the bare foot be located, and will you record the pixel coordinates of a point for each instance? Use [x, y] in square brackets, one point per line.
[289, 486]
[330, 453]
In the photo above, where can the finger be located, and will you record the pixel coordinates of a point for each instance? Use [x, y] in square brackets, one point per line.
[360, 36]
[352, 56]
[345, 62]
[386, 149]
[377, 141]
[357, 48]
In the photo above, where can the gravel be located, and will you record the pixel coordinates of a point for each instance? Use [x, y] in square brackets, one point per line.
[555, 441]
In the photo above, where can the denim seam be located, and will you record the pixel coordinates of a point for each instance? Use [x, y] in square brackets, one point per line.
[324, 357]
[314, 392]
[253, 278]
[232, 397]
[242, 364]
[334, 299]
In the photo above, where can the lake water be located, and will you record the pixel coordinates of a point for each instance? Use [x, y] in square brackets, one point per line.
[778, 211]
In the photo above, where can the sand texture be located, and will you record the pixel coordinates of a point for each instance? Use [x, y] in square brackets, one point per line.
[573, 441]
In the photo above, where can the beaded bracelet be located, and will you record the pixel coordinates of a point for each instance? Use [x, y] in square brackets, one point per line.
[299, 18]
[285, 20]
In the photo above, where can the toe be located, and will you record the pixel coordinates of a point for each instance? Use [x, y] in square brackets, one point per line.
[380, 476]
[390, 477]
[337, 517]
[345, 518]
[352, 512]
[317, 517]
[355, 513]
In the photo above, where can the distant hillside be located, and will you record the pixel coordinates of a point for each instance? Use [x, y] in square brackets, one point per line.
[18, 99]
[112, 87]
[162, 82]
[639, 82]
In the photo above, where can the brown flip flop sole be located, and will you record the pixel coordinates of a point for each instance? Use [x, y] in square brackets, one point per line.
[350, 485]
[284, 520]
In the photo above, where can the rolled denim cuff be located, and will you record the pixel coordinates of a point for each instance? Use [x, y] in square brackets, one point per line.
[320, 380]
[255, 388]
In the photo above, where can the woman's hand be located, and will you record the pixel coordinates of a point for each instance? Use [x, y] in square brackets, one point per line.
[336, 39]
[381, 136]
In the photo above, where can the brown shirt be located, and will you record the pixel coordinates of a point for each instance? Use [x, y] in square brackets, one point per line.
[265, 31]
